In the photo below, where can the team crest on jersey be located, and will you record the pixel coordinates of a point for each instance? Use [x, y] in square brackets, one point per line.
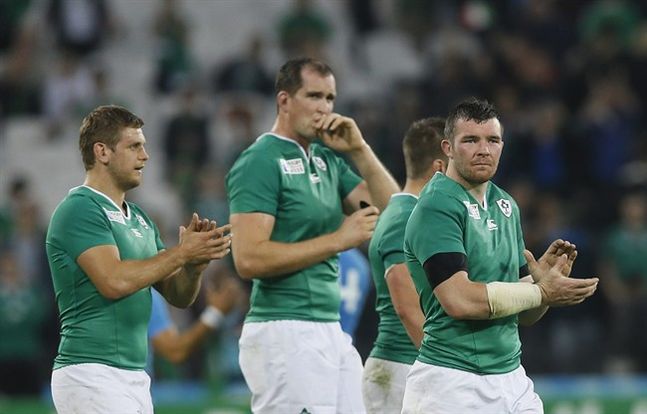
[116, 216]
[142, 222]
[505, 206]
[319, 162]
[294, 166]
[472, 210]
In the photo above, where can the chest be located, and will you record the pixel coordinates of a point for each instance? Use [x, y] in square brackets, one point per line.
[134, 236]
[492, 240]
[309, 190]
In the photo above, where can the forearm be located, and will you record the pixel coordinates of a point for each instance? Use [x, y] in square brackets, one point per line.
[182, 287]
[119, 278]
[531, 316]
[270, 258]
[413, 322]
[381, 184]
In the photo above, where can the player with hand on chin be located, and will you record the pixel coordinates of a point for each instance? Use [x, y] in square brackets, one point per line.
[294, 206]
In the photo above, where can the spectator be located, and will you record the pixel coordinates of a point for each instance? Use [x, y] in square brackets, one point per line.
[625, 286]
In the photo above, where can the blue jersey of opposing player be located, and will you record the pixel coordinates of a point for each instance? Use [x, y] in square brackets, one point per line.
[355, 283]
[160, 321]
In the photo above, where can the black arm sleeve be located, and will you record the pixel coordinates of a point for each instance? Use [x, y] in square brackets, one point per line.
[442, 266]
[524, 271]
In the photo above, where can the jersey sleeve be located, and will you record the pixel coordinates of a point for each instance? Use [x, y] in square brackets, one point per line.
[348, 179]
[435, 226]
[158, 238]
[253, 184]
[81, 224]
[160, 317]
[391, 246]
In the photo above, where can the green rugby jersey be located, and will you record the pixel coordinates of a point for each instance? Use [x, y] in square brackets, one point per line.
[448, 219]
[304, 193]
[95, 329]
[384, 251]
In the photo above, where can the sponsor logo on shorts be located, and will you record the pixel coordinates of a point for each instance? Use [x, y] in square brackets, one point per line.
[294, 166]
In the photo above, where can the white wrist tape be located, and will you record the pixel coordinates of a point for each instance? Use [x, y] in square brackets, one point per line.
[507, 299]
[211, 317]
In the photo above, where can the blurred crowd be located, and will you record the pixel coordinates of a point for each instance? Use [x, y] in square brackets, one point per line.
[567, 78]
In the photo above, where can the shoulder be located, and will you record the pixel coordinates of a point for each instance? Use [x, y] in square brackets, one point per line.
[261, 154]
[77, 202]
[398, 210]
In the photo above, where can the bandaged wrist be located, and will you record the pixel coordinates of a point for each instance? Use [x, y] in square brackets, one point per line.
[211, 317]
[507, 299]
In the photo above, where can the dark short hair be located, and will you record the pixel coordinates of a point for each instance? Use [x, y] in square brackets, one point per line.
[472, 109]
[289, 77]
[104, 124]
[421, 145]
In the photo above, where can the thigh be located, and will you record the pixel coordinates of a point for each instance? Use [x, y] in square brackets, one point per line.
[383, 385]
[431, 389]
[289, 366]
[92, 388]
[524, 399]
[349, 389]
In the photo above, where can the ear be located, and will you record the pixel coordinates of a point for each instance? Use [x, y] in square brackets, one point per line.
[446, 145]
[101, 152]
[282, 99]
[439, 165]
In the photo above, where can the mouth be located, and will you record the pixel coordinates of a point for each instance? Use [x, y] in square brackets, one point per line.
[139, 169]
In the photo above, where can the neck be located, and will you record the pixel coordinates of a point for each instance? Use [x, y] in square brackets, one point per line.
[476, 190]
[414, 186]
[105, 185]
[281, 129]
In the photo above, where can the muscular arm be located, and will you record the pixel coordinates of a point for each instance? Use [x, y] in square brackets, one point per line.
[405, 301]
[256, 256]
[531, 316]
[182, 287]
[115, 278]
[177, 269]
[463, 299]
[378, 184]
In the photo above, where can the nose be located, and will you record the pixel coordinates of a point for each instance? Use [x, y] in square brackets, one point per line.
[484, 147]
[144, 154]
[325, 106]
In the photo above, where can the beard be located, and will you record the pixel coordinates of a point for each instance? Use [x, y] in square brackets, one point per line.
[476, 176]
[124, 180]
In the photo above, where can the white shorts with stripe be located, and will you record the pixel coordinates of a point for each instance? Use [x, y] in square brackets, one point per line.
[383, 385]
[432, 389]
[101, 389]
[301, 367]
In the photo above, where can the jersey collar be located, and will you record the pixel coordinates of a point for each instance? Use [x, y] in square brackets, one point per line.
[127, 215]
[305, 154]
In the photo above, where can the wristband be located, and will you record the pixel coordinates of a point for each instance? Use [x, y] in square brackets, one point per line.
[507, 299]
[212, 317]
